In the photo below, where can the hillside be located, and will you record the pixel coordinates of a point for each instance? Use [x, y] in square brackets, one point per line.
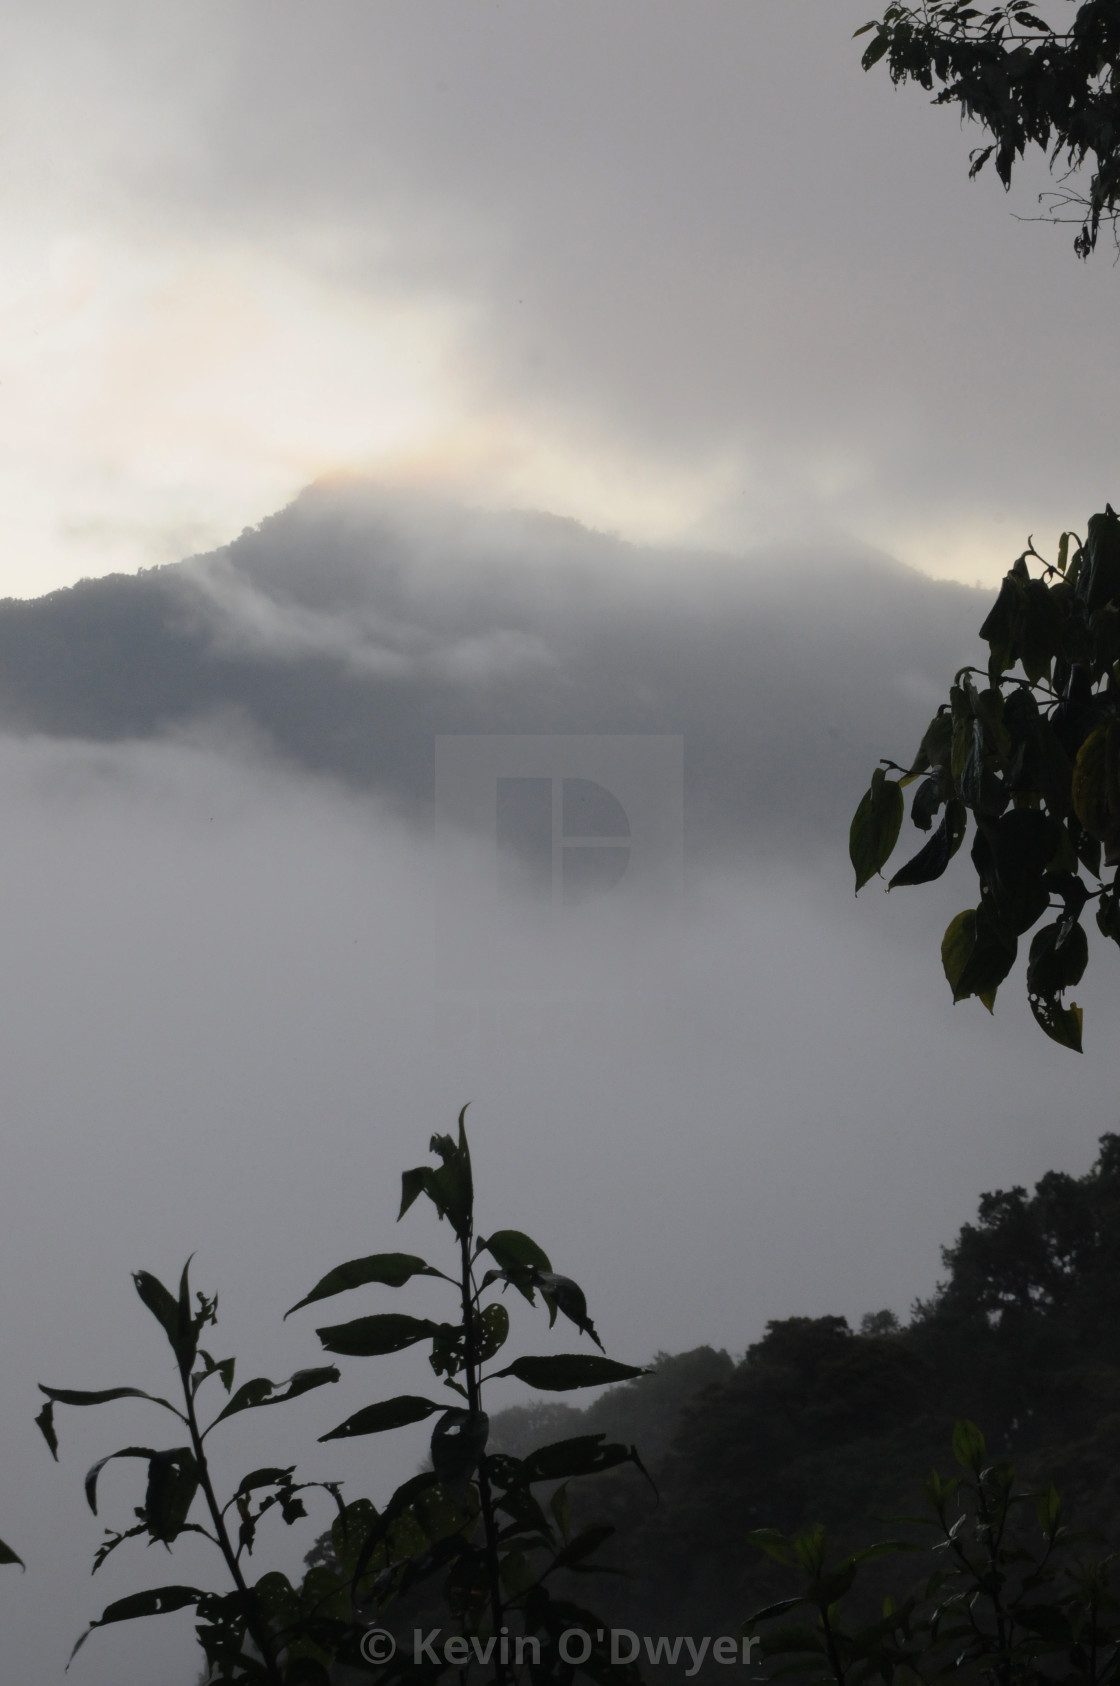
[348, 630]
[819, 1423]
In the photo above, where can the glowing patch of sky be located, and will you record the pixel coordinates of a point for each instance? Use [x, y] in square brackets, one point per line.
[684, 273]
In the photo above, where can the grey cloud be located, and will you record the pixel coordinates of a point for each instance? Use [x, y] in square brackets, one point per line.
[243, 619]
[700, 231]
[355, 627]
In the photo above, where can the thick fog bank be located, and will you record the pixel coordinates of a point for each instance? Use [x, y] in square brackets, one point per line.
[237, 1000]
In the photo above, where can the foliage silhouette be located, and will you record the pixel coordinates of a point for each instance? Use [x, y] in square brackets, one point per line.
[1027, 84]
[818, 1423]
[260, 1632]
[1032, 754]
[474, 1521]
[1008, 1593]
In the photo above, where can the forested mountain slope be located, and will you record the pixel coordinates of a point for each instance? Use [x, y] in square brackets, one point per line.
[818, 1423]
[349, 630]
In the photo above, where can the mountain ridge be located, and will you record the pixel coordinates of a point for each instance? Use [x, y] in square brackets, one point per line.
[350, 629]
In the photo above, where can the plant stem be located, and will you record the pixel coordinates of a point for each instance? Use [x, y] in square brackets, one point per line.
[486, 1502]
[830, 1645]
[257, 1632]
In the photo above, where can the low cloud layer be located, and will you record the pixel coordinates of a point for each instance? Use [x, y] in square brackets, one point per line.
[243, 987]
[355, 627]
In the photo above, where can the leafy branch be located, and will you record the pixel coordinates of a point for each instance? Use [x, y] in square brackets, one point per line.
[1032, 758]
[474, 1518]
[1024, 82]
[255, 1633]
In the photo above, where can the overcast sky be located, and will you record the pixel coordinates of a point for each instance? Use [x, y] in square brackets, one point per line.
[680, 270]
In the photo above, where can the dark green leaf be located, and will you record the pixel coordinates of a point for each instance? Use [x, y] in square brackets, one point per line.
[387, 1414]
[172, 1485]
[875, 828]
[584, 1454]
[260, 1391]
[560, 1293]
[989, 710]
[190, 1327]
[158, 1601]
[369, 1337]
[977, 955]
[1048, 1509]
[1073, 890]
[560, 1506]
[1063, 1025]
[1058, 958]
[91, 1479]
[392, 1269]
[830, 1588]
[406, 1496]
[349, 1529]
[44, 1422]
[927, 800]
[1039, 631]
[1021, 716]
[458, 1441]
[937, 744]
[272, 1477]
[1096, 782]
[981, 788]
[513, 1251]
[768, 1612]
[1099, 581]
[774, 1545]
[493, 1332]
[413, 1184]
[567, 1370]
[932, 859]
[69, 1396]
[305, 1381]
[451, 1186]
[162, 1304]
[519, 1257]
[448, 1355]
[1063, 552]
[999, 629]
[222, 1367]
[969, 1446]
[1108, 916]
[873, 53]
[1011, 856]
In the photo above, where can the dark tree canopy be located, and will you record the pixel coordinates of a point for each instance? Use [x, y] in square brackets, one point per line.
[1030, 752]
[1027, 84]
[1055, 1252]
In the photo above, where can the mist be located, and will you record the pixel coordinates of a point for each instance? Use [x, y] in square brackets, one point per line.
[243, 990]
